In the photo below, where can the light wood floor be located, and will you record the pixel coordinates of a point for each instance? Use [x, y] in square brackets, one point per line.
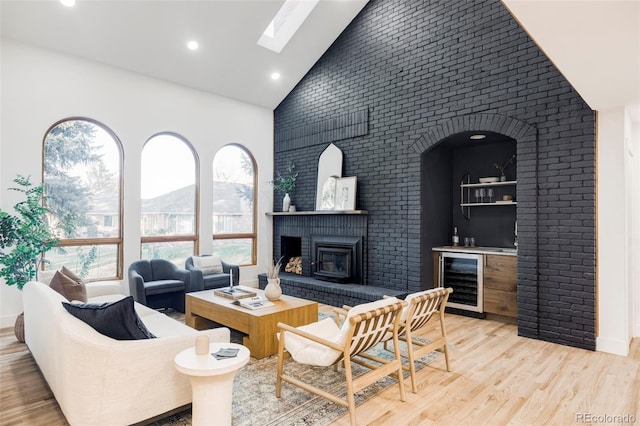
[497, 378]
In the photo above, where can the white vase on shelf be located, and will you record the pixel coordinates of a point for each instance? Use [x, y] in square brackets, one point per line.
[273, 291]
[286, 202]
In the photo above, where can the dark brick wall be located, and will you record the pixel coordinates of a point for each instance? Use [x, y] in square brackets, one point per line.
[423, 71]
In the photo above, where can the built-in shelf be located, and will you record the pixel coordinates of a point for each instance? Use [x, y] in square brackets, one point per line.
[478, 185]
[502, 203]
[466, 194]
[318, 212]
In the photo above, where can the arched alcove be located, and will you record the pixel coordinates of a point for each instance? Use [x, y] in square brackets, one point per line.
[525, 137]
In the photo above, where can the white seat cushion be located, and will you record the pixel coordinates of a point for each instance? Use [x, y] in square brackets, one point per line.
[306, 351]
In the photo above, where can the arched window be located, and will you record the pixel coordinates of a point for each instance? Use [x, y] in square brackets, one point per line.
[234, 212]
[169, 194]
[82, 173]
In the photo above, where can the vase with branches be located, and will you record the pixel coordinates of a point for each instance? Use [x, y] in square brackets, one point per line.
[285, 184]
[273, 291]
[503, 166]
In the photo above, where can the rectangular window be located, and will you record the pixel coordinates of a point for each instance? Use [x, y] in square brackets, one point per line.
[175, 251]
[91, 262]
[238, 251]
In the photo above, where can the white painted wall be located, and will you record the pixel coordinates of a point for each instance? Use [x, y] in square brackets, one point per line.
[632, 139]
[614, 216]
[39, 87]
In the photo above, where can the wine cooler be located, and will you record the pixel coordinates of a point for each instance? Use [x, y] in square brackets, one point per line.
[463, 273]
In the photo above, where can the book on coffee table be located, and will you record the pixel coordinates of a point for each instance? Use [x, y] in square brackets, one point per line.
[234, 293]
[253, 303]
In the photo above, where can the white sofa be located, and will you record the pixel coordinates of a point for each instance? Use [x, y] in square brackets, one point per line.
[101, 381]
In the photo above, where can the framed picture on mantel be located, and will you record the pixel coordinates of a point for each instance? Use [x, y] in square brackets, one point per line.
[345, 193]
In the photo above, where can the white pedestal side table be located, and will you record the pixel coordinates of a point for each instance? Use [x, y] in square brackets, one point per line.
[211, 382]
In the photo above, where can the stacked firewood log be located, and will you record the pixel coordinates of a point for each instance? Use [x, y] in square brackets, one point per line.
[294, 265]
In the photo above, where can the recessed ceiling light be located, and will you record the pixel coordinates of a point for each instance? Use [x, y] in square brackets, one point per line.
[192, 45]
[275, 76]
[68, 3]
[477, 137]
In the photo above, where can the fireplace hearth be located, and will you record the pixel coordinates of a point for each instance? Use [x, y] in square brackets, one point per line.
[337, 258]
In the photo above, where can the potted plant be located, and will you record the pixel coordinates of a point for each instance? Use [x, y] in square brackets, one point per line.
[273, 291]
[285, 184]
[24, 237]
[502, 167]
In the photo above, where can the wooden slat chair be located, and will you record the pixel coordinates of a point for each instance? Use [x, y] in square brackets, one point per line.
[421, 308]
[326, 344]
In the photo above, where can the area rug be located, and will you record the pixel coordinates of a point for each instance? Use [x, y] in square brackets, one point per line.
[254, 394]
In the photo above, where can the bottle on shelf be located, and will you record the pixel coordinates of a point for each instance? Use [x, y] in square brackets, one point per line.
[455, 239]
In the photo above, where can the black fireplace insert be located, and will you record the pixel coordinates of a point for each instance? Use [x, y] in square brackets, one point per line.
[337, 259]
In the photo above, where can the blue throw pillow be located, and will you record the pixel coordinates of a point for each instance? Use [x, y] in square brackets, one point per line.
[117, 320]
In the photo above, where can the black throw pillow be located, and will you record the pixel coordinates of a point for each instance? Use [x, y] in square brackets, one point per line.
[117, 320]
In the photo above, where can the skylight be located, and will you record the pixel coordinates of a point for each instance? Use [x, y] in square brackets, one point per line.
[285, 24]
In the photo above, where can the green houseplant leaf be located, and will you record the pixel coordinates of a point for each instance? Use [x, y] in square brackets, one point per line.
[24, 236]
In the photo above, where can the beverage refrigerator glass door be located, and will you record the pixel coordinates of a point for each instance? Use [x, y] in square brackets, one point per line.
[464, 273]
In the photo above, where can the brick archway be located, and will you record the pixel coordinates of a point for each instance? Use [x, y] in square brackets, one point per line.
[527, 196]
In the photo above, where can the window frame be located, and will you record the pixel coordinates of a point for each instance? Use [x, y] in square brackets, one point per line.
[195, 237]
[117, 241]
[243, 235]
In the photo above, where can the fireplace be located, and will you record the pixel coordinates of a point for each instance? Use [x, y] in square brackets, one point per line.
[337, 258]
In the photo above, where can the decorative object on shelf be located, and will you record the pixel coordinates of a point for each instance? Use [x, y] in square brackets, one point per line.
[346, 193]
[292, 208]
[286, 184]
[328, 197]
[488, 179]
[25, 237]
[329, 169]
[273, 291]
[286, 202]
[507, 197]
[502, 167]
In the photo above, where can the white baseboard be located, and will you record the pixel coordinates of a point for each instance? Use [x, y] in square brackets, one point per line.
[613, 346]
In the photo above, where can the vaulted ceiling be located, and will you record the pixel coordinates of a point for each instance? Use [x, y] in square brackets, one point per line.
[595, 44]
[150, 37]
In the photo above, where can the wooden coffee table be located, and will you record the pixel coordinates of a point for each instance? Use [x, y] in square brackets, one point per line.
[203, 307]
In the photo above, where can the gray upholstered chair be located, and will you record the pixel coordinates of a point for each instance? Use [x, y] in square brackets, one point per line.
[202, 279]
[158, 283]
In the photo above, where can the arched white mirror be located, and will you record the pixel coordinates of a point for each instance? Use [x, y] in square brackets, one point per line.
[329, 168]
